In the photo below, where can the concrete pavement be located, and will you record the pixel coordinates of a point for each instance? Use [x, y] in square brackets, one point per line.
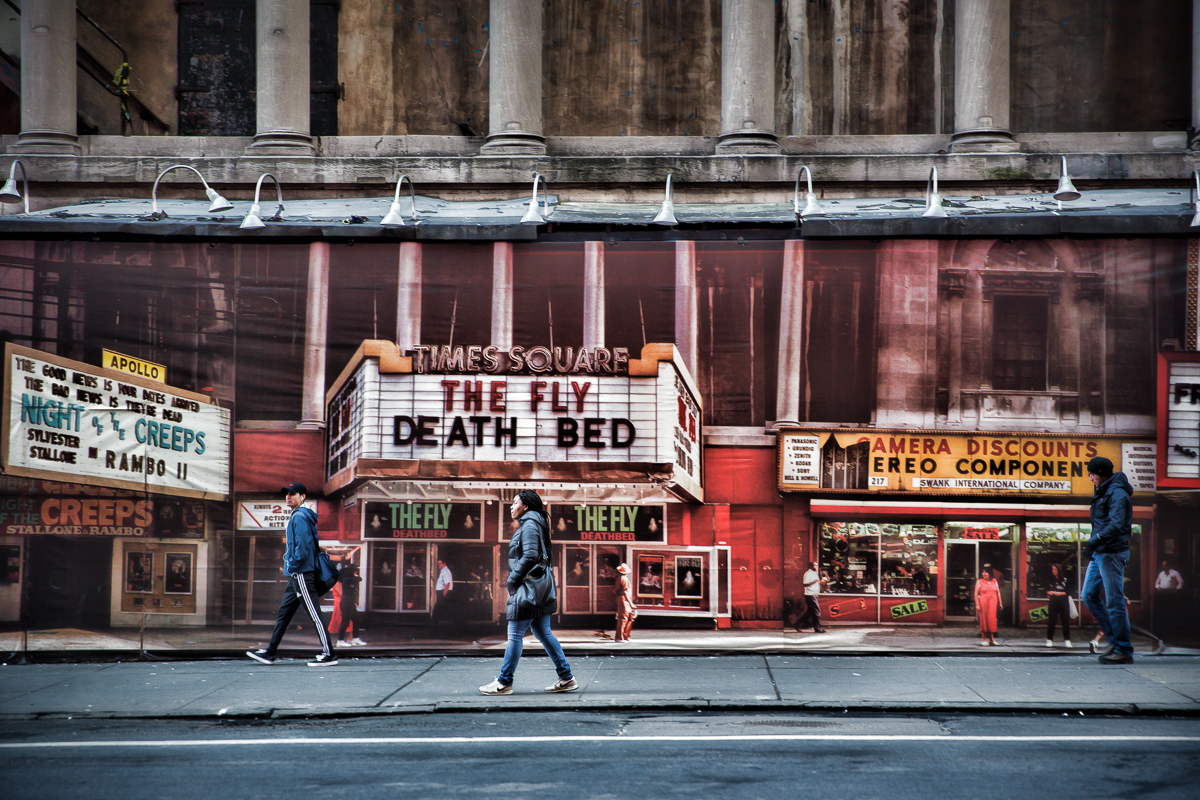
[761, 683]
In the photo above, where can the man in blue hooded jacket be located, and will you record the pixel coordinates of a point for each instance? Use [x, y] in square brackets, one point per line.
[300, 565]
[1108, 547]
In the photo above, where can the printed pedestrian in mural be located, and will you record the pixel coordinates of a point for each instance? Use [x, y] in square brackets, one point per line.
[525, 550]
[1168, 589]
[1108, 548]
[1059, 593]
[812, 600]
[442, 589]
[350, 625]
[626, 612]
[987, 603]
[300, 566]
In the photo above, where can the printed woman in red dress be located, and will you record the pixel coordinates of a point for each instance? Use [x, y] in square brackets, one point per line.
[987, 602]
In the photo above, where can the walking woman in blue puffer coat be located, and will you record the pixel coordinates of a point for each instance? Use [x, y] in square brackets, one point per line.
[525, 550]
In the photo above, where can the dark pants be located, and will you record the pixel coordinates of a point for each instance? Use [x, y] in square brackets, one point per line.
[349, 618]
[1060, 610]
[301, 590]
[812, 613]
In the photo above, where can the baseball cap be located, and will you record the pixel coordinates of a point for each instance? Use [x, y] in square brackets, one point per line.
[295, 487]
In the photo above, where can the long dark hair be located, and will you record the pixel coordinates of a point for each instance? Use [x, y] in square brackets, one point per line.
[530, 499]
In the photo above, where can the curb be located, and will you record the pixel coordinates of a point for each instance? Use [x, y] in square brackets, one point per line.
[623, 705]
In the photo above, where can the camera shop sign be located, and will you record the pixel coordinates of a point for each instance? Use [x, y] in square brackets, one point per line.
[385, 407]
[939, 463]
[69, 421]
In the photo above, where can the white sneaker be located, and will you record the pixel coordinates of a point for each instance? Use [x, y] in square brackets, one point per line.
[1067, 643]
[496, 687]
[1049, 643]
[985, 644]
[563, 685]
[357, 642]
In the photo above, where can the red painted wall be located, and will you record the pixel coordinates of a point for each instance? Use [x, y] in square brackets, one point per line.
[266, 460]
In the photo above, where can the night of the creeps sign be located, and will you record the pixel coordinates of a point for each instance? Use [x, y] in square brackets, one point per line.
[76, 422]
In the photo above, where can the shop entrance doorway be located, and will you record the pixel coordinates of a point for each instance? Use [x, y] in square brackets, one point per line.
[70, 582]
[252, 579]
[964, 561]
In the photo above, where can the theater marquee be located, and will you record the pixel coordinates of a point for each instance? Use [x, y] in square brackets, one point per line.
[74, 422]
[555, 408]
[936, 462]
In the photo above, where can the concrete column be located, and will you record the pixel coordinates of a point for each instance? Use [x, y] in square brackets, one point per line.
[981, 86]
[593, 294]
[747, 77]
[1195, 142]
[283, 78]
[408, 297]
[502, 295]
[687, 309]
[48, 90]
[791, 334]
[316, 330]
[515, 79]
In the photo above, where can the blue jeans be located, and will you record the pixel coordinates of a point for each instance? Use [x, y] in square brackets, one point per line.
[1104, 595]
[516, 643]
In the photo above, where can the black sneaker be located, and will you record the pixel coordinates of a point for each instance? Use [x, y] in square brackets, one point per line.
[1116, 658]
[261, 656]
[323, 661]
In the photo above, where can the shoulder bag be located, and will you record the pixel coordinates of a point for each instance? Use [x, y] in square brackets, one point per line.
[327, 573]
[537, 590]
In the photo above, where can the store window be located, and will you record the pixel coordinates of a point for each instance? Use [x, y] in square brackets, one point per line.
[873, 559]
[1019, 343]
[1061, 544]
[1051, 544]
[398, 581]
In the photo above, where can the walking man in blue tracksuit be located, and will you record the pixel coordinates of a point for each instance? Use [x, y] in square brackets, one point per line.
[300, 565]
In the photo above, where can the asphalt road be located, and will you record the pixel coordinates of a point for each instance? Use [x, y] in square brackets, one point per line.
[567, 754]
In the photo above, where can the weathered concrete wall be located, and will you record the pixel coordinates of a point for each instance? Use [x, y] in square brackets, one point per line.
[1120, 65]
[632, 69]
[864, 66]
[149, 32]
[418, 67]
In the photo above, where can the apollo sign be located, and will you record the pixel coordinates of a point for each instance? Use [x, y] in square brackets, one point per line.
[397, 413]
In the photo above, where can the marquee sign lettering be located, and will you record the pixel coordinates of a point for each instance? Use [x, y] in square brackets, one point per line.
[948, 463]
[76, 422]
[390, 411]
[538, 360]
[608, 523]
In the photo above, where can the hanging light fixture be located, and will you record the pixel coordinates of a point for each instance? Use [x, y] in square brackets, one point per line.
[9, 194]
[1066, 189]
[666, 215]
[933, 200]
[811, 206]
[393, 219]
[532, 217]
[216, 201]
[252, 220]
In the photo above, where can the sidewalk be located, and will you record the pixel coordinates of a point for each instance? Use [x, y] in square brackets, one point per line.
[203, 674]
[66, 644]
[241, 688]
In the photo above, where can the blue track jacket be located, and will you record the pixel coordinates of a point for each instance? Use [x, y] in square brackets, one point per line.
[300, 555]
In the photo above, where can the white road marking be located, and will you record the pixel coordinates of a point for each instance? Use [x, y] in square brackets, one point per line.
[767, 737]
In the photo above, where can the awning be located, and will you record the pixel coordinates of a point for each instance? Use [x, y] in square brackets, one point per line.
[1015, 512]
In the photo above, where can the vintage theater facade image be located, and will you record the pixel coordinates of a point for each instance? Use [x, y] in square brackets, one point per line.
[904, 520]
[425, 451]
